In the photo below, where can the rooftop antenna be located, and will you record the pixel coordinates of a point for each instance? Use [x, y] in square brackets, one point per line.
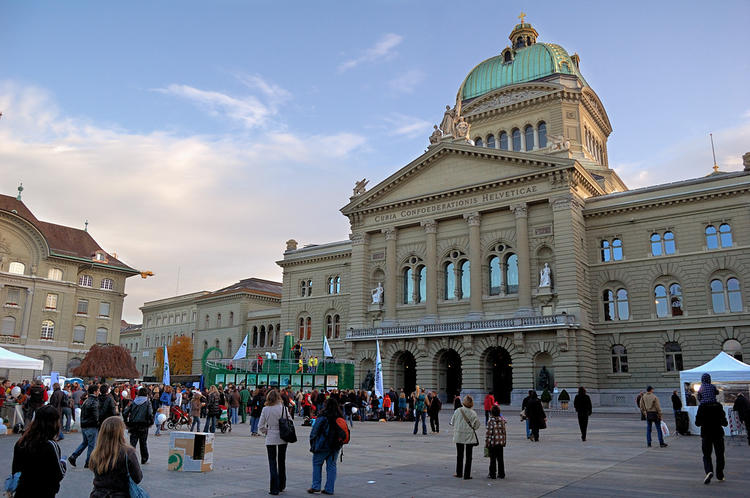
[713, 151]
[86, 226]
[20, 189]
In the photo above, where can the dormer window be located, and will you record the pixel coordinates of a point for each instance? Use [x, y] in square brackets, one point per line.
[507, 55]
[100, 256]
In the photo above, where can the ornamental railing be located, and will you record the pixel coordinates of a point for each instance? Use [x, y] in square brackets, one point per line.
[465, 327]
[271, 366]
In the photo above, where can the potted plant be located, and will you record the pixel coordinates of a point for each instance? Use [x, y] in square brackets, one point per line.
[564, 399]
[546, 397]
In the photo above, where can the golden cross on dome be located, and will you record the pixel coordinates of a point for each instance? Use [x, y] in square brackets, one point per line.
[521, 17]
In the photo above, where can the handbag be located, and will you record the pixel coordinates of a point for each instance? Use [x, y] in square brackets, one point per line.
[133, 488]
[523, 414]
[469, 424]
[286, 428]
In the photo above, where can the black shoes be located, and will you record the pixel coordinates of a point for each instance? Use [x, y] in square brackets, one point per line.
[708, 478]
[72, 460]
[663, 445]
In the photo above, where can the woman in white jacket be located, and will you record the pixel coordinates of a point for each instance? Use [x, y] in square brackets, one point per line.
[275, 446]
[465, 423]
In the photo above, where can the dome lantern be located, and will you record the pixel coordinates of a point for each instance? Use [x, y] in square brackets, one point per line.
[523, 34]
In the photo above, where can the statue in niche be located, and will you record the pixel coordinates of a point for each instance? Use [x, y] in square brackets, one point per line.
[462, 129]
[369, 383]
[436, 135]
[544, 277]
[448, 125]
[377, 294]
[544, 380]
[360, 186]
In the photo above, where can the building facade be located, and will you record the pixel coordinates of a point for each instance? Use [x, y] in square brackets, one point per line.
[61, 293]
[130, 339]
[509, 256]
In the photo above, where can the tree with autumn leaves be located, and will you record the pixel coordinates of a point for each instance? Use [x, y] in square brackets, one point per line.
[180, 357]
[107, 361]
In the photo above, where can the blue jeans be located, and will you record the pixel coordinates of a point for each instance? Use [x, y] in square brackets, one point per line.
[233, 415]
[658, 431]
[158, 426]
[210, 421]
[196, 423]
[89, 441]
[528, 429]
[67, 416]
[254, 425]
[417, 416]
[317, 476]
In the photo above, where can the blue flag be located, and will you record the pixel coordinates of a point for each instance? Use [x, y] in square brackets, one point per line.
[165, 378]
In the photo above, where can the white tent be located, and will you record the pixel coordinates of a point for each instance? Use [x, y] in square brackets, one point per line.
[723, 368]
[9, 359]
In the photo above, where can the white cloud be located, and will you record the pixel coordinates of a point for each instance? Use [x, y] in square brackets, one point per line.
[382, 50]
[408, 126]
[220, 208]
[407, 82]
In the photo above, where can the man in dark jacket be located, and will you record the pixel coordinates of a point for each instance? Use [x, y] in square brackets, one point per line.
[138, 417]
[712, 420]
[35, 401]
[676, 403]
[582, 404]
[89, 426]
[742, 407]
[106, 404]
[433, 411]
[524, 404]
[56, 401]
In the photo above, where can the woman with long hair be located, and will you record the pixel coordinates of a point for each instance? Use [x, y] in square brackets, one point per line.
[212, 409]
[37, 456]
[112, 461]
[465, 423]
[275, 446]
[324, 448]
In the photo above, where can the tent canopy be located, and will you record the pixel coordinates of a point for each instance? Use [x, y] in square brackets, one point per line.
[722, 368]
[9, 359]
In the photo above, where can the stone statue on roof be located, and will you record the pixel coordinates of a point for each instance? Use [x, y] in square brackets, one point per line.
[436, 135]
[360, 186]
[462, 129]
[448, 124]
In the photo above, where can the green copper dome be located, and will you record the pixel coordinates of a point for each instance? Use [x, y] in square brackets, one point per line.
[529, 63]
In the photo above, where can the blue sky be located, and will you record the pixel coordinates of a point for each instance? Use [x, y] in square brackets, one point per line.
[204, 134]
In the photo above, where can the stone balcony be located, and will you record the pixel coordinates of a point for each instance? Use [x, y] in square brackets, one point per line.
[515, 324]
[10, 339]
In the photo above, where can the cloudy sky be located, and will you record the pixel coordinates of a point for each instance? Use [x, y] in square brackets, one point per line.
[200, 136]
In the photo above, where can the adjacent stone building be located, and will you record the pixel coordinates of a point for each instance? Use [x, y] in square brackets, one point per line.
[61, 292]
[130, 339]
[509, 256]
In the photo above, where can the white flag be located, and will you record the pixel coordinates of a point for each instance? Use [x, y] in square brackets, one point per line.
[242, 352]
[326, 348]
[165, 377]
[378, 372]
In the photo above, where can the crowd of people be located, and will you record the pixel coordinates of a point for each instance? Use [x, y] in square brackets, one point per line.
[104, 412]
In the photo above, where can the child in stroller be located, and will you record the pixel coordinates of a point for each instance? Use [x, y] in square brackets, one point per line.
[177, 417]
[224, 423]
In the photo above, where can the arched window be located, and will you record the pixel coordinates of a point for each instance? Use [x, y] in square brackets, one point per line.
[617, 249]
[55, 274]
[619, 359]
[516, 134]
[668, 300]
[503, 140]
[231, 318]
[511, 273]
[301, 329]
[101, 336]
[422, 283]
[726, 297]
[478, 142]
[309, 328]
[616, 306]
[656, 244]
[408, 286]
[48, 330]
[230, 349]
[218, 319]
[673, 356]
[507, 56]
[9, 326]
[675, 299]
[661, 245]
[329, 326]
[465, 271]
[107, 284]
[205, 346]
[733, 348]
[491, 141]
[336, 326]
[669, 245]
[85, 281]
[271, 336]
[496, 279]
[262, 336]
[529, 136]
[17, 268]
[542, 134]
[725, 235]
[157, 321]
[606, 251]
[450, 281]
[255, 336]
[334, 284]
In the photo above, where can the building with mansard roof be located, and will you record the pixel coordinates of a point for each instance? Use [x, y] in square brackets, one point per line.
[61, 292]
[509, 256]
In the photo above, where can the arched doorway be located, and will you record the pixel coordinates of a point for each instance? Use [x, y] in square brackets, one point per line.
[449, 374]
[73, 363]
[405, 374]
[499, 374]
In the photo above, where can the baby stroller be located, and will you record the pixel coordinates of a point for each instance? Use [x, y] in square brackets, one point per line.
[224, 423]
[177, 417]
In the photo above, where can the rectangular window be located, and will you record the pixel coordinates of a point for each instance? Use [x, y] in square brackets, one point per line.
[79, 333]
[83, 307]
[101, 336]
[104, 309]
[51, 302]
[14, 296]
[54, 274]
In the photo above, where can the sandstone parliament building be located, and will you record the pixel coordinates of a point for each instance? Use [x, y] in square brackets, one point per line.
[510, 247]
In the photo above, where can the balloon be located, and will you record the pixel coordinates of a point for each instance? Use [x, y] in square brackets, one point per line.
[15, 392]
[161, 418]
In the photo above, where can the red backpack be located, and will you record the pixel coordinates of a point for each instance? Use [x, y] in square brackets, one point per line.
[339, 433]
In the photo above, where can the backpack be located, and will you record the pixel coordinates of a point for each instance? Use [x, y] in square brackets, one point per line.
[338, 433]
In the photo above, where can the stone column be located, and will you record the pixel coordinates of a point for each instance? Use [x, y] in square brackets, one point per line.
[536, 137]
[524, 258]
[475, 263]
[431, 313]
[391, 275]
[359, 285]
[26, 318]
